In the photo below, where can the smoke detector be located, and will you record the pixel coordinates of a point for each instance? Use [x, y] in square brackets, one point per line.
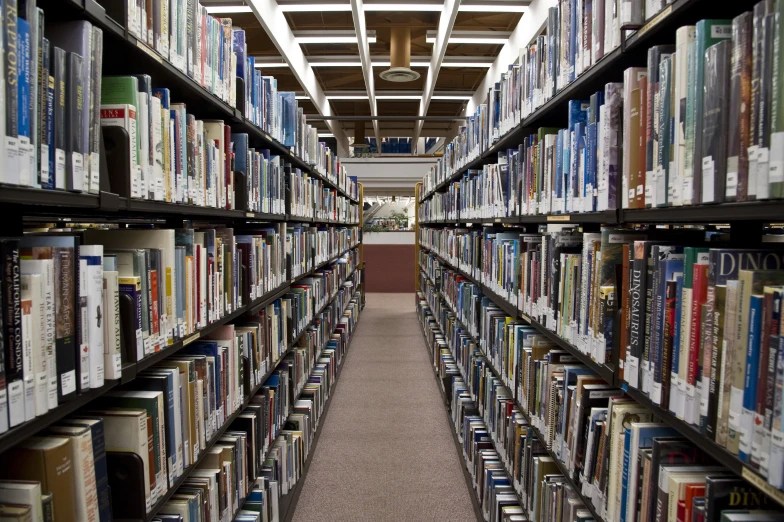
[400, 57]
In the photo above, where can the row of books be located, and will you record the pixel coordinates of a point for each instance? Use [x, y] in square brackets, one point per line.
[698, 334]
[310, 246]
[194, 42]
[65, 474]
[311, 198]
[53, 125]
[77, 307]
[549, 400]
[488, 470]
[718, 82]
[700, 125]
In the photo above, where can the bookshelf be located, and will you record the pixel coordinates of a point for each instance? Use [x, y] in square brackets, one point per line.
[741, 224]
[33, 208]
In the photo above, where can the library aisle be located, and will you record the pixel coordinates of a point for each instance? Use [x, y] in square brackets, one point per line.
[385, 452]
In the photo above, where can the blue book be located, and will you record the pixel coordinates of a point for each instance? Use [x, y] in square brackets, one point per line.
[99, 463]
[23, 77]
[164, 382]
[240, 144]
[676, 339]
[637, 437]
[752, 369]
[49, 138]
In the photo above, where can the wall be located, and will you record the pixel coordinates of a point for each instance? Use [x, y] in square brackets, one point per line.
[388, 175]
[389, 261]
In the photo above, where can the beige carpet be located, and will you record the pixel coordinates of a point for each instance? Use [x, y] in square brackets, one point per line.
[386, 452]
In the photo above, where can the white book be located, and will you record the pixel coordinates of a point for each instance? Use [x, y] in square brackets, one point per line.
[124, 115]
[93, 256]
[125, 430]
[112, 344]
[684, 37]
[45, 267]
[85, 489]
[157, 148]
[23, 492]
[143, 128]
[34, 348]
[160, 239]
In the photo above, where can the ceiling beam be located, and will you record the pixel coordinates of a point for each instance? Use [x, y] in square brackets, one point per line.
[358, 13]
[272, 19]
[446, 22]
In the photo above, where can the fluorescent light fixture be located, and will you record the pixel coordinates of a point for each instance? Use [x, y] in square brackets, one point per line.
[228, 9]
[481, 8]
[299, 8]
[472, 37]
[403, 7]
[348, 97]
[338, 7]
[477, 65]
[268, 65]
[336, 64]
[330, 37]
[450, 97]
[398, 97]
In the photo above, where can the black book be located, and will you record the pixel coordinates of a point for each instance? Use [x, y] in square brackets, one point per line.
[727, 492]
[44, 172]
[145, 86]
[12, 332]
[74, 109]
[667, 451]
[715, 122]
[10, 73]
[96, 72]
[59, 120]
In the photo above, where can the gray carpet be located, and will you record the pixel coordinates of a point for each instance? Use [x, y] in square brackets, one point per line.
[386, 452]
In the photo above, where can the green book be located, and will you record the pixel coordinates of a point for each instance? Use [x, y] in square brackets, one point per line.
[153, 403]
[776, 169]
[708, 33]
[121, 90]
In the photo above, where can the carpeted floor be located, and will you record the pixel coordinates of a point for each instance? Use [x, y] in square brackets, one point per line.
[386, 452]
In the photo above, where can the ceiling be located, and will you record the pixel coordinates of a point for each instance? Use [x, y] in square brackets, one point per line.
[350, 80]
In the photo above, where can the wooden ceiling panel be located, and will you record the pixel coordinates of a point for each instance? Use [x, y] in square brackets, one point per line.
[465, 79]
[446, 108]
[350, 107]
[340, 78]
[320, 20]
[473, 49]
[468, 21]
[397, 108]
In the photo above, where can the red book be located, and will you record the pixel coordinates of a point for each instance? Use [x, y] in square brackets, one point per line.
[155, 326]
[699, 295]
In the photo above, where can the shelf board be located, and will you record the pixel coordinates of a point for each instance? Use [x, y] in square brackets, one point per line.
[25, 430]
[602, 370]
[766, 211]
[707, 445]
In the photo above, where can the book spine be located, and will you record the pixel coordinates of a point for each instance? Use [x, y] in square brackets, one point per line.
[750, 381]
[12, 322]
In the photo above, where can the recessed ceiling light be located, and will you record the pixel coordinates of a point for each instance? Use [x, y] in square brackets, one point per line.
[348, 97]
[228, 9]
[450, 97]
[474, 37]
[336, 64]
[330, 37]
[479, 8]
[398, 97]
